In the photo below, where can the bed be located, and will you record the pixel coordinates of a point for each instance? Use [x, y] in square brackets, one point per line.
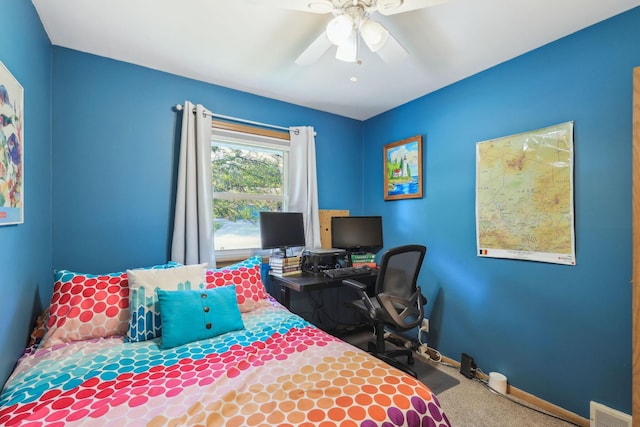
[272, 368]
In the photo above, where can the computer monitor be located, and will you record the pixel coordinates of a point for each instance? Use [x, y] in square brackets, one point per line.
[281, 230]
[357, 233]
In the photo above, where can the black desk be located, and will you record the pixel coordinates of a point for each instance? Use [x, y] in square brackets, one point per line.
[305, 282]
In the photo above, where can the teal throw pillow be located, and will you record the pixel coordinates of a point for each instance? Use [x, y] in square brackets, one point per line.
[194, 315]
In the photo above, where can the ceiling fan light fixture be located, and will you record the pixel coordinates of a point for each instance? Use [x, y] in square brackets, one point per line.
[339, 29]
[348, 50]
[386, 6]
[320, 6]
[374, 34]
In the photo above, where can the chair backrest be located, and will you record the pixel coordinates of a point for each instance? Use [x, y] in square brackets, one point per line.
[399, 269]
[400, 298]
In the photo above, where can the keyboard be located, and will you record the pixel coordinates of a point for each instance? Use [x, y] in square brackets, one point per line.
[338, 273]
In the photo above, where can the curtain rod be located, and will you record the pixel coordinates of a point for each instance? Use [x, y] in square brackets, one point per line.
[236, 119]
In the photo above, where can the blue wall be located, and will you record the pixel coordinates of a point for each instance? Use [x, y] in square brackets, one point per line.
[115, 157]
[25, 249]
[562, 333]
[101, 199]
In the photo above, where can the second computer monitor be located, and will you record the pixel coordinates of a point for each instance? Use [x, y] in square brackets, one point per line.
[357, 233]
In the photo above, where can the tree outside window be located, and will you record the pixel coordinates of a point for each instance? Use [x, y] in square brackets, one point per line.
[247, 179]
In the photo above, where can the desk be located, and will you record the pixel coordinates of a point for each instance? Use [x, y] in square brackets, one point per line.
[305, 282]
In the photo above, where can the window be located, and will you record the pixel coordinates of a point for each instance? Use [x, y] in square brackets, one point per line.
[249, 176]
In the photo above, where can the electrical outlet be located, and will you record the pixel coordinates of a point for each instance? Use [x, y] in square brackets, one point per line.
[425, 325]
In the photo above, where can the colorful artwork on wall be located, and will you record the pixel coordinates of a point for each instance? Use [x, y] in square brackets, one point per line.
[403, 169]
[11, 149]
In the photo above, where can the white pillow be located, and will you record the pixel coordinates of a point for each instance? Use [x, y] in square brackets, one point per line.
[144, 307]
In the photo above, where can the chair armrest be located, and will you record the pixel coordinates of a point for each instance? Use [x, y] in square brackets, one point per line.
[361, 288]
[355, 285]
[405, 313]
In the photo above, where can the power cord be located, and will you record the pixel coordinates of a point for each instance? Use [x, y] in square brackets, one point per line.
[321, 316]
[485, 383]
[434, 355]
[423, 349]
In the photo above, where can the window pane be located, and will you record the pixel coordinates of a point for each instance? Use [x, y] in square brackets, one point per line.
[233, 232]
[246, 180]
[247, 170]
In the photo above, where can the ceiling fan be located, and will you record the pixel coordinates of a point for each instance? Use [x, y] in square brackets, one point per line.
[351, 23]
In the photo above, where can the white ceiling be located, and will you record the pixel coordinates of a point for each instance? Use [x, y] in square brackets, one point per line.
[251, 45]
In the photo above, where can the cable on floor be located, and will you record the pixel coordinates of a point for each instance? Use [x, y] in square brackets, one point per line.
[506, 396]
[424, 349]
[427, 351]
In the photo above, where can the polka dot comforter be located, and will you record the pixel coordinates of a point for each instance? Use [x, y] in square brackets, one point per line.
[279, 371]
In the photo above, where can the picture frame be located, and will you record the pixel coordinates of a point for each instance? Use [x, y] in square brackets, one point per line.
[11, 149]
[403, 169]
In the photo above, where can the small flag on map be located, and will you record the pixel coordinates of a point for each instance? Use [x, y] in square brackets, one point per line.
[483, 252]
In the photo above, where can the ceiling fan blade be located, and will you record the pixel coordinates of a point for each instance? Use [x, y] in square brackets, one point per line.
[392, 51]
[407, 6]
[314, 6]
[315, 50]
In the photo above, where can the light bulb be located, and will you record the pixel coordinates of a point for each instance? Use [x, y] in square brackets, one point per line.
[373, 34]
[339, 29]
[348, 50]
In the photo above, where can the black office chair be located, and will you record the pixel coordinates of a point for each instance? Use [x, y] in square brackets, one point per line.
[399, 302]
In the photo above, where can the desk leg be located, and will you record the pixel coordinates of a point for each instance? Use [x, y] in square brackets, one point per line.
[285, 293]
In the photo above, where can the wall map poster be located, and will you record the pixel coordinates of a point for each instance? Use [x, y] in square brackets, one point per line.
[524, 196]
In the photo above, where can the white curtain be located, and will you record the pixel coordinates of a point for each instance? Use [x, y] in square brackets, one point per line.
[303, 183]
[193, 225]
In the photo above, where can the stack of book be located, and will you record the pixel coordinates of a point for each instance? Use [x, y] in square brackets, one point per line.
[360, 260]
[281, 266]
